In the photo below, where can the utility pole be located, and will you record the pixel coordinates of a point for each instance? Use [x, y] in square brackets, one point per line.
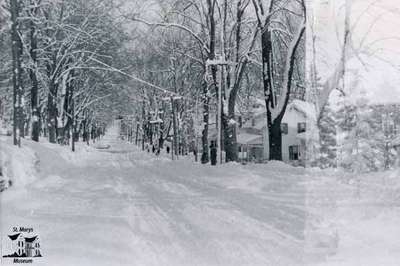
[219, 123]
[219, 62]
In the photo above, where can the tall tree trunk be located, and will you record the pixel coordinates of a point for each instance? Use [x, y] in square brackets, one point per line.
[137, 134]
[74, 125]
[52, 112]
[275, 140]
[17, 72]
[162, 127]
[274, 125]
[175, 127]
[230, 124]
[230, 136]
[68, 107]
[71, 109]
[205, 156]
[33, 77]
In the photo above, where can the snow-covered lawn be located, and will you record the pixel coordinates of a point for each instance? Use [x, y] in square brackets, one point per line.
[365, 214]
[122, 206]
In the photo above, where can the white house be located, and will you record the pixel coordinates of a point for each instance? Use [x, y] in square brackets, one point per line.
[298, 121]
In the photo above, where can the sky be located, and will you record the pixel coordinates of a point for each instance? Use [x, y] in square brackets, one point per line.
[377, 24]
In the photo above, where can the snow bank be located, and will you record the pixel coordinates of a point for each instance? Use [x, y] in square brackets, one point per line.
[19, 164]
[360, 212]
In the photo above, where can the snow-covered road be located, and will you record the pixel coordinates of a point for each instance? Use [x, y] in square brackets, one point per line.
[122, 206]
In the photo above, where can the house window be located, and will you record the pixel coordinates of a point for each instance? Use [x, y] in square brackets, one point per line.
[284, 128]
[294, 153]
[301, 127]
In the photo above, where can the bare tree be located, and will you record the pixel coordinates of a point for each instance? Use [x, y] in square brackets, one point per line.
[17, 71]
[276, 103]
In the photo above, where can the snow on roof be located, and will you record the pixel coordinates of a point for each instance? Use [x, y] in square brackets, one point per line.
[306, 108]
[250, 139]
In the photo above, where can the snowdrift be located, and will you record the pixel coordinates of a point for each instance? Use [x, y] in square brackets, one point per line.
[360, 212]
[19, 165]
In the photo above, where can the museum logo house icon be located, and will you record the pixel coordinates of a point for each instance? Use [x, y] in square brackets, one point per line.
[24, 246]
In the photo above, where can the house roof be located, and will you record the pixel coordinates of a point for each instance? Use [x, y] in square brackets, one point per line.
[259, 121]
[306, 108]
[30, 239]
[13, 237]
[249, 139]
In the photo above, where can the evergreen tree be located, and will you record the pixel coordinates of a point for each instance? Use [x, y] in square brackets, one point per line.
[327, 126]
[362, 145]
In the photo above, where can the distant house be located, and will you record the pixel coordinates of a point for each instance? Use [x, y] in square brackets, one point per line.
[252, 133]
[251, 146]
[25, 246]
[250, 137]
[253, 137]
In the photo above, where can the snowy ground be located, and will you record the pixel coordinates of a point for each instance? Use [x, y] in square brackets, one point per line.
[122, 206]
[365, 212]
